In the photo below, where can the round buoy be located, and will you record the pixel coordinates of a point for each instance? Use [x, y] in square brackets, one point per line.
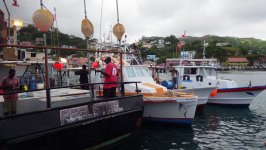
[95, 64]
[214, 92]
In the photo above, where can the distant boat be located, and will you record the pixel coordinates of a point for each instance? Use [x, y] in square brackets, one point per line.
[228, 93]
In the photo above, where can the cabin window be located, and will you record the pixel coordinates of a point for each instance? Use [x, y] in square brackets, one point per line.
[187, 71]
[193, 70]
[130, 72]
[146, 72]
[201, 72]
[213, 72]
[139, 72]
[210, 72]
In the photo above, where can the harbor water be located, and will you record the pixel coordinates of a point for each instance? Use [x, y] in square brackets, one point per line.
[217, 128]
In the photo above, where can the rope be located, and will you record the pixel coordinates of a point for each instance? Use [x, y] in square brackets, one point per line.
[101, 18]
[85, 9]
[117, 11]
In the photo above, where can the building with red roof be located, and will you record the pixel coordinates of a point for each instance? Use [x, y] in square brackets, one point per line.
[237, 62]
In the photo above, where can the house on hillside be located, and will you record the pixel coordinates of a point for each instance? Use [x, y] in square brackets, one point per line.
[222, 44]
[261, 62]
[240, 62]
[160, 43]
[150, 63]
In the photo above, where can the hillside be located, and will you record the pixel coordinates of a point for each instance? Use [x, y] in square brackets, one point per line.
[219, 47]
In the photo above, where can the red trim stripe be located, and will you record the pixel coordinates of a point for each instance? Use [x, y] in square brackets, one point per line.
[242, 89]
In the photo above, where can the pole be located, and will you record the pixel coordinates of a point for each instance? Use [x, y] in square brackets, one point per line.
[121, 75]
[48, 94]
[8, 39]
[89, 68]
[47, 84]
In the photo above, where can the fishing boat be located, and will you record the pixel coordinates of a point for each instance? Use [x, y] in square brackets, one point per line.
[227, 93]
[160, 104]
[63, 117]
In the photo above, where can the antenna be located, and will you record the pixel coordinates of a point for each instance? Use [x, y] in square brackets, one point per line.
[204, 47]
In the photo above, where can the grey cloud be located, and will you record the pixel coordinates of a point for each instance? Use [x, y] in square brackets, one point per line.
[244, 18]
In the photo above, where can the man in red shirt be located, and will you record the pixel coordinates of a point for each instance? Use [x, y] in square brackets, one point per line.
[110, 75]
[10, 84]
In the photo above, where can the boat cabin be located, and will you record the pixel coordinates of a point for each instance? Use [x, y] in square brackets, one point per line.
[201, 76]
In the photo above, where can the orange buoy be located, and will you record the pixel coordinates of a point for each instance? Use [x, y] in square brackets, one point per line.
[95, 64]
[214, 92]
[43, 19]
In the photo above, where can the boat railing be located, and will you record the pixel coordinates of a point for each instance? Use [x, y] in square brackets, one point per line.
[91, 91]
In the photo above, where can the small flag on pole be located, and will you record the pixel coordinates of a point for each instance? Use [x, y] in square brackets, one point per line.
[183, 35]
[15, 3]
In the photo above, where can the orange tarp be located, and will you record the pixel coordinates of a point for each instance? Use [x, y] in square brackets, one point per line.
[159, 90]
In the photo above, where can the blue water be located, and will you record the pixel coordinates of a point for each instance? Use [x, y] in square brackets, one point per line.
[216, 128]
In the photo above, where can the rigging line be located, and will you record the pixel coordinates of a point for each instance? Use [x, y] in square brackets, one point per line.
[57, 36]
[101, 18]
[117, 11]
[85, 9]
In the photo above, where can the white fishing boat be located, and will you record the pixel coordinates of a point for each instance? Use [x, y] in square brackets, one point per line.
[228, 93]
[160, 104]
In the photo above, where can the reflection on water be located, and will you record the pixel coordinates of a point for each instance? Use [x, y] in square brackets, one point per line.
[229, 128]
[216, 128]
[161, 137]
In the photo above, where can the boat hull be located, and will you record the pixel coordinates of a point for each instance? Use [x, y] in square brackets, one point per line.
[203, 95]
[178, 111]
[51, 129]
[241, 97]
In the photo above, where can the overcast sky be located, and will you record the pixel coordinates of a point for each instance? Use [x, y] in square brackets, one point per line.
[239, 18]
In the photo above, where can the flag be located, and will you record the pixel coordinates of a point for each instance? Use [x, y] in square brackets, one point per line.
[183, 35]
[15, 3]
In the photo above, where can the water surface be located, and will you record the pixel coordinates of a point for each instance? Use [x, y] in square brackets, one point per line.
[216, 128]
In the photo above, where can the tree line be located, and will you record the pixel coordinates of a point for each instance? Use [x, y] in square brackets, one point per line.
[250, 48]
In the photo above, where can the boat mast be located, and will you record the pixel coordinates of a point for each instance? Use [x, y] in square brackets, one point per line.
[204, 46]
[8, 40]
[47, 83]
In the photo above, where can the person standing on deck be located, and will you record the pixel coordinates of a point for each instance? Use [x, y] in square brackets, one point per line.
[83, 79]
[110, 75]
[10, 84]
[174, 74]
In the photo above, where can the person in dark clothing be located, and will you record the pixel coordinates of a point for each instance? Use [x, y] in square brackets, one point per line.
[83, 79]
